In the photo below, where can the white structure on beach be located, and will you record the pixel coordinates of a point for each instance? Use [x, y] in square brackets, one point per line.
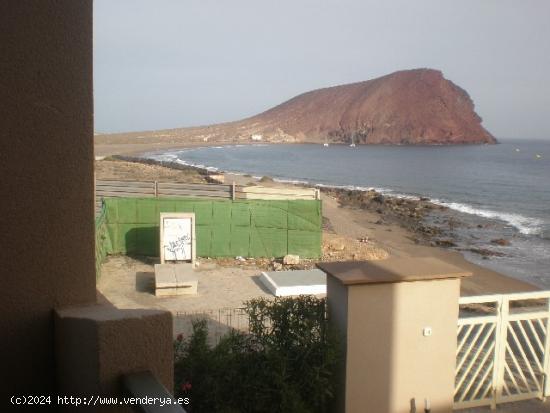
[256, 137]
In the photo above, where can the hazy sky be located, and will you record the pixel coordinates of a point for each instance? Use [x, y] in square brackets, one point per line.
[172, 63]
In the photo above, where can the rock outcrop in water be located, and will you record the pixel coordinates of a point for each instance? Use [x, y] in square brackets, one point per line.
[407, 107]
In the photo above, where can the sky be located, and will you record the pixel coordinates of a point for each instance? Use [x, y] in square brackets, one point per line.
[172, 63]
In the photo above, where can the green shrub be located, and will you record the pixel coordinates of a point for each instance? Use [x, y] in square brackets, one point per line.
[286, 362]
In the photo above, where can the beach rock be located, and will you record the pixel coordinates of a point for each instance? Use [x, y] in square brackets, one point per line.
[446, 243]
[277, 266]
[291, 259]
[486, 253]
[337, 245]
[500, 241]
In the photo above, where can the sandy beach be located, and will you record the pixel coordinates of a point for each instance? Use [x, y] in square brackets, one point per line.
[346, 223]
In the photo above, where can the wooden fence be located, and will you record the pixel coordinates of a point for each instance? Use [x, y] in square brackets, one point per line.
[143, 189]
[262, 192]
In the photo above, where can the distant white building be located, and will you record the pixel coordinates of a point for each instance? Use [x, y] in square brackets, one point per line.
[256, 137]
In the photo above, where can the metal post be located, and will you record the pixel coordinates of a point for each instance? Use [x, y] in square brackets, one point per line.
[233, 195]
[546, 365]
[156, 189]
[501, 335]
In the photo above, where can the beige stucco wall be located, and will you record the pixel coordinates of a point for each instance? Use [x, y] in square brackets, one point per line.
[337, 303]
[46, 169]
[390, 362]
[97, 344]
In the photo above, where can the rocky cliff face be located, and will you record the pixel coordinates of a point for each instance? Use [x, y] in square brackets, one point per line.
[408, 107]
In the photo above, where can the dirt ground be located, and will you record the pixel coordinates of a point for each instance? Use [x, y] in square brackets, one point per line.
[348, 234]
[128, 171]
[129, 283]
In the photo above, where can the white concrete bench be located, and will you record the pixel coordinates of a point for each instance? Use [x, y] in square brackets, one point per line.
[295, 282]
[175, 279]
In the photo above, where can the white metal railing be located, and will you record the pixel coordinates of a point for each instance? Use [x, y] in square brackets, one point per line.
[503, 349]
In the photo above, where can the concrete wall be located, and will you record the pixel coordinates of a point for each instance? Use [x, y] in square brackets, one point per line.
[390, 363]
[338, 316]
[46, 165]
[97, 344]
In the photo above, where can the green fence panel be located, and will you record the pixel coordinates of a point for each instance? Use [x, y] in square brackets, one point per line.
[224, 228]
[148, 212]
[268, 242]
[269, 215]
[240, 241]
[302, 216]
[127, 238]
[203, 213]
[169, 205]
[112, 230]
[221, 212]
[221, 236]
[111, 211]
[204, 241]
[146, 240]
[127, 211]
[304, 243]
[103, 244]
[240, 213]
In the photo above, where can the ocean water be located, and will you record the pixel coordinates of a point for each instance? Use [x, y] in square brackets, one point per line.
[496, 191]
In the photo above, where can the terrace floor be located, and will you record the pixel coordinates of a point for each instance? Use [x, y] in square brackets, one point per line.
[129, 283]
[528, 406]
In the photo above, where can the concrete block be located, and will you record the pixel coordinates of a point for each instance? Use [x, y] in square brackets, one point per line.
[300, 282]
[166, 291]
[96, 344]
[165, 276]
[175, 279]
[291, 259]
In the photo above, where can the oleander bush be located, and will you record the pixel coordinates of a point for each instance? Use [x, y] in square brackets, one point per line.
[285, 364]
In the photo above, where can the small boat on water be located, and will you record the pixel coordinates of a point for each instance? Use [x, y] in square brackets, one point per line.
[352, 145]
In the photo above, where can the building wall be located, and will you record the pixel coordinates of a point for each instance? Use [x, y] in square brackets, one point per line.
[46, 169]
[337, 303]
[390, 363]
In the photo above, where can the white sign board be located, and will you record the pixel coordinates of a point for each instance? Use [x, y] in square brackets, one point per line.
[177, 237]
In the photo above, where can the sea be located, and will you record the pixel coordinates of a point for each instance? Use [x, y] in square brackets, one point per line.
[494, 191]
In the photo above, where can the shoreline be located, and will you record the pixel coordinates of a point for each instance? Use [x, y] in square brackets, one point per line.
[395, 223]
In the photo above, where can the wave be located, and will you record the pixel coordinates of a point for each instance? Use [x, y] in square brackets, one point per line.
[525, 225]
